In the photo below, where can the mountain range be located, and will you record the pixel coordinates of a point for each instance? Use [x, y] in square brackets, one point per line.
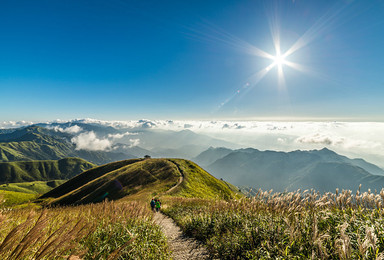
[38, 143]
[60, 140]
[322, 170]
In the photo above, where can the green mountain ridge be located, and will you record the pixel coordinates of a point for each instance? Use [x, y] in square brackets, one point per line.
[138, 176]
[44, 170]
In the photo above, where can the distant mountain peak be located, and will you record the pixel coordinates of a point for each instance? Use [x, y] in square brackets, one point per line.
[326, 150]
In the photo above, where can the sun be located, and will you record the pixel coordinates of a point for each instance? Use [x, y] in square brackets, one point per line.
[279, 60]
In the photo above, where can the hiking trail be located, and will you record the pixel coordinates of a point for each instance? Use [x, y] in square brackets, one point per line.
[181, 179]
[183, 248]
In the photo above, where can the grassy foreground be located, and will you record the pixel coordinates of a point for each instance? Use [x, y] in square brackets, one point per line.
[108, 230]
[296, 225]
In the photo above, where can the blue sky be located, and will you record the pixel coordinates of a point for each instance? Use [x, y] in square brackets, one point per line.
[119, 60]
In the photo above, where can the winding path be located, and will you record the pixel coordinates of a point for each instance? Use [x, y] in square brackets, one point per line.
[182, 247]
[181, 179]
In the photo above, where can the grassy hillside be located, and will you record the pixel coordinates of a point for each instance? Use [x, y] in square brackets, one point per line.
[34, 187]
[31, 150]
[145, 178]
[200, 184]
[13, 198]
[27, 171]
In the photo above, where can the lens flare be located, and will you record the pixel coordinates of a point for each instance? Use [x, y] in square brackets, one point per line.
[279, 60]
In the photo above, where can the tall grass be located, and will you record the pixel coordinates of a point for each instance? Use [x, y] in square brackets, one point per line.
[295, 225]
[108, 230]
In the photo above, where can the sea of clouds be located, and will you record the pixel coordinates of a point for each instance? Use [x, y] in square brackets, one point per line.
[353, 139]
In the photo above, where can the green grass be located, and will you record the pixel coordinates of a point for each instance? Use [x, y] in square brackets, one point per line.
[35, 187]
[13, 198]
[147, 241]
[200, 184]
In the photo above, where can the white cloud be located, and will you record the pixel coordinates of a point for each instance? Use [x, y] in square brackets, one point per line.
[89, 141]
[119, 136]
[319, 138]
[134, 142]
[14, 124]
[70, 130]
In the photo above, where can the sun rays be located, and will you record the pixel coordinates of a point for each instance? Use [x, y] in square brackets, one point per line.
[282, 58]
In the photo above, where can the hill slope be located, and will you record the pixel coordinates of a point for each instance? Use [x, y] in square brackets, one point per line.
[27, 171]
[34, 187]
[129, 177]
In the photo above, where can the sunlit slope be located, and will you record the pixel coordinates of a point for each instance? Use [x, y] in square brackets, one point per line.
[34, 187]
[138, 176]
[200, 184]
[45, 170]
[12, 198]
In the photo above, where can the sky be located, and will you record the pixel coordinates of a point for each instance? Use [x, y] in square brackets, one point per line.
[185, 60]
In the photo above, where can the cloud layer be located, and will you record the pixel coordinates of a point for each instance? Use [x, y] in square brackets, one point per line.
[353, 139]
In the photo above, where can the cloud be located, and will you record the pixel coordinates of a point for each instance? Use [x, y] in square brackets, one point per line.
[70, 130]
[89, 141]
[321, 139]
[134, 142]
[14, 124]
[119, 136]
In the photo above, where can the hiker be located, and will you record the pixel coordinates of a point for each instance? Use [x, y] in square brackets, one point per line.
[158, 205]
[153, 204]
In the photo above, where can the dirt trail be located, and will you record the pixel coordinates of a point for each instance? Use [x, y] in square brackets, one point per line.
[181, 246]
[181, 179]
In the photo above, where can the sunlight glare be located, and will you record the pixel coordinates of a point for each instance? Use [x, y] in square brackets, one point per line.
[279, 60]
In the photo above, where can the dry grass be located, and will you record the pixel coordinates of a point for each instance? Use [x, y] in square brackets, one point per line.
[108, 230]
[304, 225]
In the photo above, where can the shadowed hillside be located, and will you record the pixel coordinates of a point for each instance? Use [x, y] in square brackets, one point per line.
[138, 176]
[27, 171]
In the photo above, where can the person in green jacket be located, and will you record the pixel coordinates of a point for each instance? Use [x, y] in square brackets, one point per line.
[157, 205]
